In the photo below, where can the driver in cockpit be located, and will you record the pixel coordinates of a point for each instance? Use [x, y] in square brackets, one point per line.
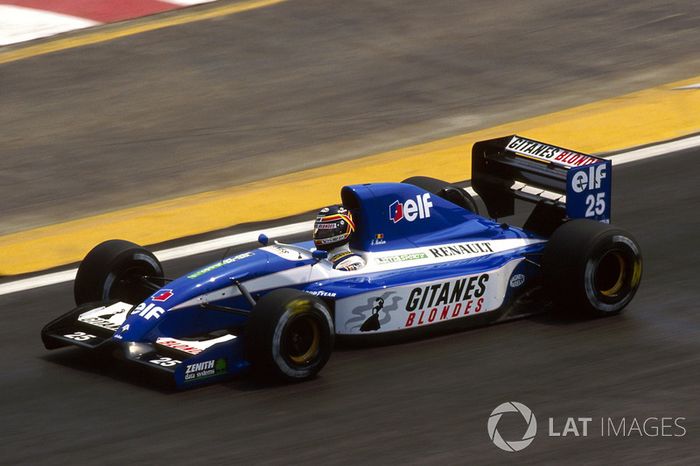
[333, 229]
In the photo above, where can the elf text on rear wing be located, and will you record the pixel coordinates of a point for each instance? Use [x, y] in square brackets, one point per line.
[563, 183]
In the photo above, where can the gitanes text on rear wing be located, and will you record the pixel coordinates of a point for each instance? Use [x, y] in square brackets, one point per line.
[563, 183]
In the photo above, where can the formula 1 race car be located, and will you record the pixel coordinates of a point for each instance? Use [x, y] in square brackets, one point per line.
[431, 261]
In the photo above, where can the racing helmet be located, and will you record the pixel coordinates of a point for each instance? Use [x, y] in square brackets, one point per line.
[333, 227]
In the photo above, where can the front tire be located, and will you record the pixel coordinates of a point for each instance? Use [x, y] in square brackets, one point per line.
[114, 270]
[289, 335]
[592, 267]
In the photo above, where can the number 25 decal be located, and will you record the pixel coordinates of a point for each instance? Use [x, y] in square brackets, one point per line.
[80, 336]
[595, 205]
[165, 362]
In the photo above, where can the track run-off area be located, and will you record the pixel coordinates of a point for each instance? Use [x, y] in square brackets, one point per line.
[238, 112]
[637, 119]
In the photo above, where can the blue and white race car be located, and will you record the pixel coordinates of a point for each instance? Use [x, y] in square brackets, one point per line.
[432, 262]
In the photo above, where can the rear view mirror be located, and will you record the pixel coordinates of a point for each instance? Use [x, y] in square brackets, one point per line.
[319, 254]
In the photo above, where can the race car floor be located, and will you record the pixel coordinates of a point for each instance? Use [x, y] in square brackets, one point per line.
[423, 402]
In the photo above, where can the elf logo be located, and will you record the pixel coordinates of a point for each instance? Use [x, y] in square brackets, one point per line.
[148, 311]
[411, 209]
[582, 181]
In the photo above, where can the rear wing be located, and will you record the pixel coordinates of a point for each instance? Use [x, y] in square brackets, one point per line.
[556, 179]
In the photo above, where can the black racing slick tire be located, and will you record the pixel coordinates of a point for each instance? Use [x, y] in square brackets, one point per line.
[591, 267]
[289, 335]
[445, 190]
[116, 270]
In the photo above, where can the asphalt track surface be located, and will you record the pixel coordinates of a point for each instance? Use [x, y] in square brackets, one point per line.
[307, 82]
[423, 402]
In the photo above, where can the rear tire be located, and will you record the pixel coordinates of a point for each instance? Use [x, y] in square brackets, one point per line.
[592, 267]
[289, 335]
[112, 270]
[445, 190]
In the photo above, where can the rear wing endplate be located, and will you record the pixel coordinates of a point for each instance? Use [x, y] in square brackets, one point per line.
[513, 167]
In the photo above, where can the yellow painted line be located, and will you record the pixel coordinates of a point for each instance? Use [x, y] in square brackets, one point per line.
[111, 32]
[639, 118]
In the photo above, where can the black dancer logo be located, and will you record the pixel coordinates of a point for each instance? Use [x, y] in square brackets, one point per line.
[372, 322]
[374, 314]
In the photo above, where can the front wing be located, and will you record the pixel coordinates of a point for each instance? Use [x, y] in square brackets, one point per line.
[180, 362]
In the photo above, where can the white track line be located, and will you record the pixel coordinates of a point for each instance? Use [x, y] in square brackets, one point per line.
[38, 282]
[302, 227]
[655, 151]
